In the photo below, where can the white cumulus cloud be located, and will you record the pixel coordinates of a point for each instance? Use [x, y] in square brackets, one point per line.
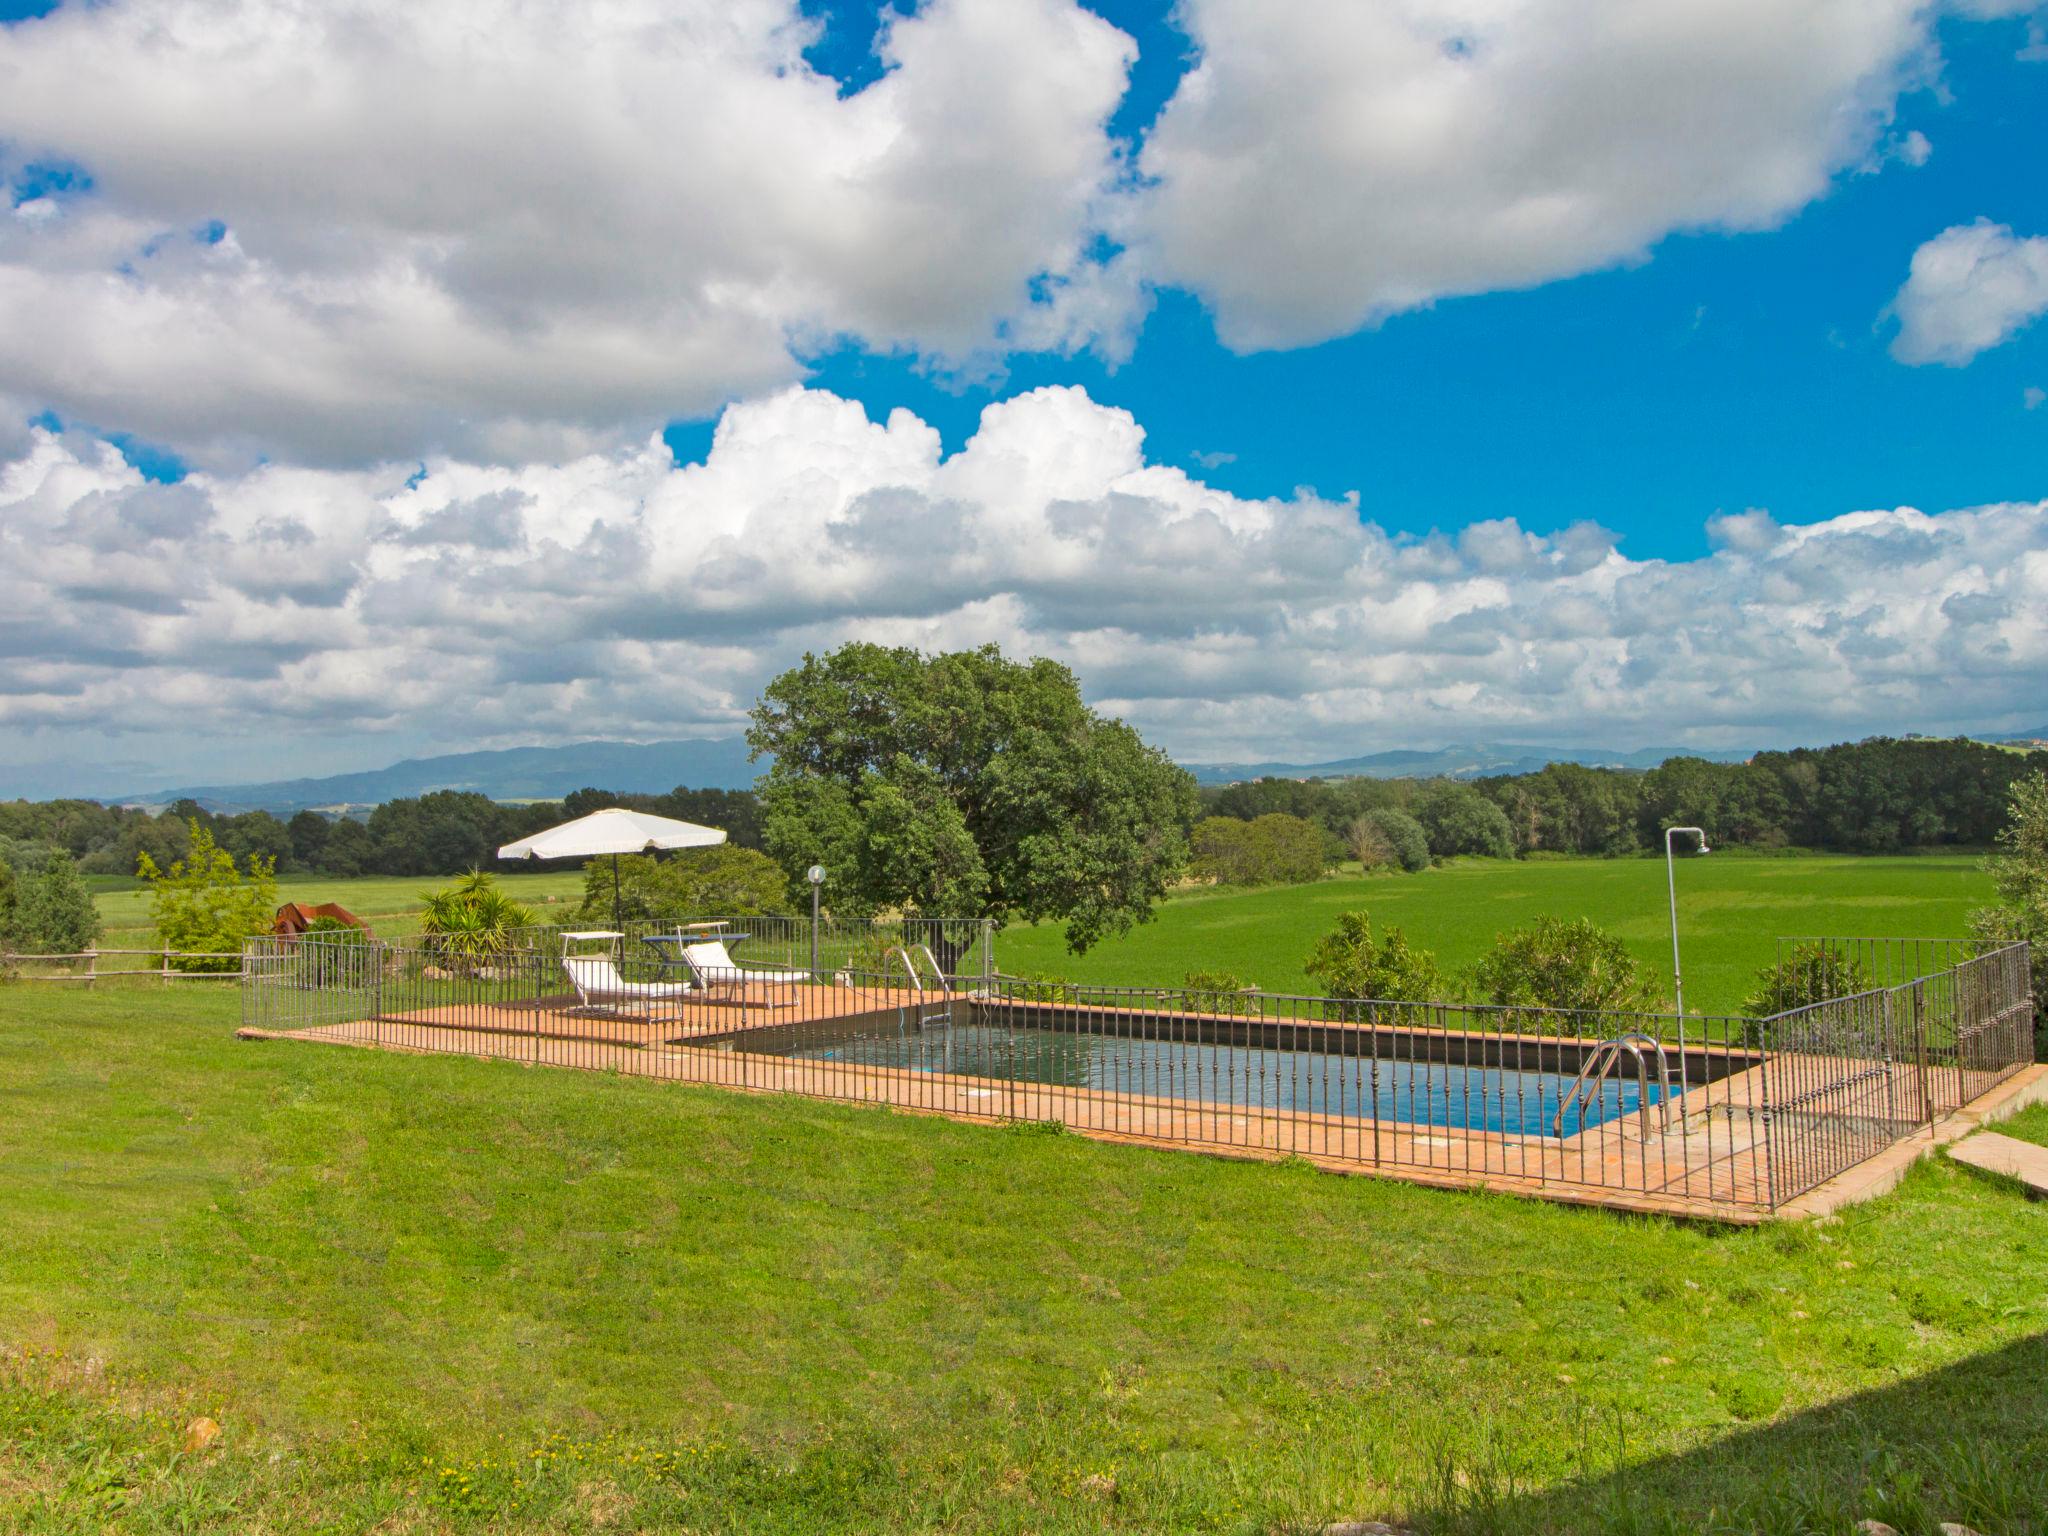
[621, 594]
[1969, 288]
[1325, 166]
[364, 228]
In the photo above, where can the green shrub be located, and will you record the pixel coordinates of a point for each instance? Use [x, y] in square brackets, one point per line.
[337, 952]
[8, 902]
[1215, 992]
[869, 956]
[2019, 871]
[1558, 962]
[203, 903]
[1808, 973]
[53, 911]
[1042, 987]
[1352, 964]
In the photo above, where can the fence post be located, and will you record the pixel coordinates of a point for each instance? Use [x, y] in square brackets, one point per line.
[92, 967]
[166, 981]
[1920, 1055]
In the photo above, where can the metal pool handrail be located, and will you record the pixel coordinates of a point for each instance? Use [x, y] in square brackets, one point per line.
[1606, 1056]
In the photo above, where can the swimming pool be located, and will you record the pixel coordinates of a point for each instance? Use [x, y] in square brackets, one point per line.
[1517, 1103]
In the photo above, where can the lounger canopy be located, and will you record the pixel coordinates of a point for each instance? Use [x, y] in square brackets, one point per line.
[613, 831]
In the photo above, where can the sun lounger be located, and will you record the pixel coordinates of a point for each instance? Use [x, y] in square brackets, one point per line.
[718, 975]
[598, 984]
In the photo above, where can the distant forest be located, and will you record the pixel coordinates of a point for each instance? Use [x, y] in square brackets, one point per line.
[1866, 797]
[443, 833]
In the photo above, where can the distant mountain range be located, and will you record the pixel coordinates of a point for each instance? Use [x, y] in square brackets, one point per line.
[516, 773]
[548, 773]
[1469, 762]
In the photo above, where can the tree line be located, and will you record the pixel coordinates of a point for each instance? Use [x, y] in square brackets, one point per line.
[443, 833]
[1874, 796]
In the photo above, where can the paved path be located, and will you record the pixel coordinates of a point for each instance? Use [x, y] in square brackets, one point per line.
[1994, 1153]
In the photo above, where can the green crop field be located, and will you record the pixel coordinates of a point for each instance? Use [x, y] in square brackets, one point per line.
[388, 903]
[1731, 910]
[433, 1294]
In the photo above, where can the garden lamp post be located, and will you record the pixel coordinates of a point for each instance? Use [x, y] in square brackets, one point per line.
[1671, 879]
[816, 875]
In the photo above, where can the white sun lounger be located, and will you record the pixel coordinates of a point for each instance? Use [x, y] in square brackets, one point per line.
[716, 971]
[598, 984]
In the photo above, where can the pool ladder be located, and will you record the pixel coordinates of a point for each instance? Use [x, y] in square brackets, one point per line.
[926, 1016]
[1602, 1064]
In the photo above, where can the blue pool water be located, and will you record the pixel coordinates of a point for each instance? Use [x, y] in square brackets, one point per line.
[1248, 1077]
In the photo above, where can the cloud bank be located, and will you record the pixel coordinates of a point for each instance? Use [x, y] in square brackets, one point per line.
[622, 594]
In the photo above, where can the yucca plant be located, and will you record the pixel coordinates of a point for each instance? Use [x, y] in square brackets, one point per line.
[471, 923]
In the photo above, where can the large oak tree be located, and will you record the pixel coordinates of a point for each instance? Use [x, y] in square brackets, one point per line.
[967, 785]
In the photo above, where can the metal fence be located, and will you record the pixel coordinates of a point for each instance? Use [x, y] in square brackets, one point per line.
[1657, 1110]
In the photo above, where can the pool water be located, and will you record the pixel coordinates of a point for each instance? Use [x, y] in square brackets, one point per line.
[1248, 1077]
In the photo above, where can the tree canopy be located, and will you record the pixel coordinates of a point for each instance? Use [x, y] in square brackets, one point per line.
[965, 784]
[723, 881]
[1273, 849]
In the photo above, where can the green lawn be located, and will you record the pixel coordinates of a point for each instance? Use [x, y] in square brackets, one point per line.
[427, 1293]
[1731, 909]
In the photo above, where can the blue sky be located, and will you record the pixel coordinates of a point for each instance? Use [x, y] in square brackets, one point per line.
[1313, 379]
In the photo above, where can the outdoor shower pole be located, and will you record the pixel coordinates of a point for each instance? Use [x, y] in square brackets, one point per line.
[1671, 880]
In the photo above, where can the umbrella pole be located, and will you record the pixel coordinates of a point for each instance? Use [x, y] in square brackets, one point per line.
[618, 921]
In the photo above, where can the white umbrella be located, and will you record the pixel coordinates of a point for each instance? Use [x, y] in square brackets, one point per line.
[614, 831]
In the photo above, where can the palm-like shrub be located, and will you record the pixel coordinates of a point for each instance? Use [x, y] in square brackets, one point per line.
[471, 923]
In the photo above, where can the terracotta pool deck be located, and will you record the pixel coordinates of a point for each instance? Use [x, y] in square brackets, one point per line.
[1706, 1163]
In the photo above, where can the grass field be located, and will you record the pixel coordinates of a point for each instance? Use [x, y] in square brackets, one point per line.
[1731, 909]
[424, 1294]
[388, 903]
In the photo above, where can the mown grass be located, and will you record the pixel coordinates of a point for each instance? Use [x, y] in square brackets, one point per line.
[426, 1294]
[1731, 910]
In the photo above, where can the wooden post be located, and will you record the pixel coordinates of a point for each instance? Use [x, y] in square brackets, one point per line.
[92, 967]
[166, 981]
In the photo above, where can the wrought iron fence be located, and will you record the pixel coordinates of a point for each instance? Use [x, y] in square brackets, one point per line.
[1655, 1109]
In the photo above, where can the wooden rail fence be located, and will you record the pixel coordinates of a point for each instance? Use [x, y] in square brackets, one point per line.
[164, 972]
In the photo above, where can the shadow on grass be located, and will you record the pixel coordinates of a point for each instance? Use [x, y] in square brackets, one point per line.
[1968, 1444]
